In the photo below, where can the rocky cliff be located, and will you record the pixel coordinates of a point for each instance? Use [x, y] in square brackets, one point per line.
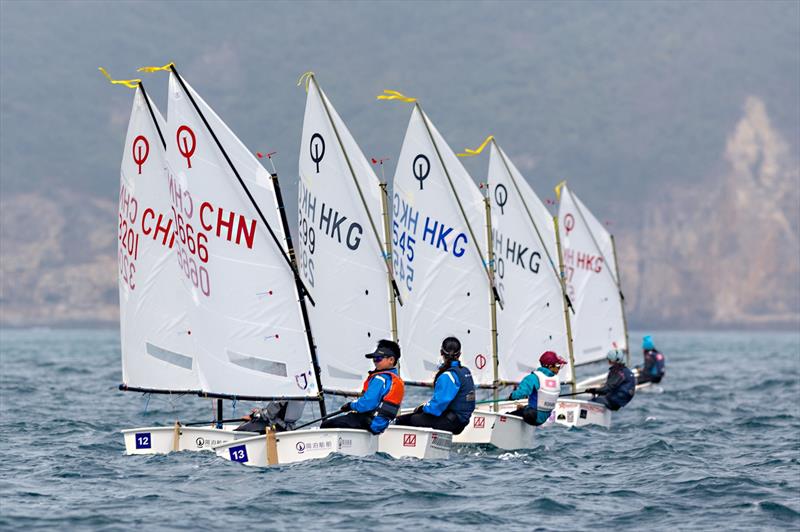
[724, 252]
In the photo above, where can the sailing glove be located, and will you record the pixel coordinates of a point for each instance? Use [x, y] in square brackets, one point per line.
[418, 410]
[346, 407]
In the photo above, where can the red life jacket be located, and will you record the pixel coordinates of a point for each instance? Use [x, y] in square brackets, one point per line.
[389, 406]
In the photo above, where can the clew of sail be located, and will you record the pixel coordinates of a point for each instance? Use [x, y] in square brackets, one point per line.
[341, 246]
[526, 268]
[591, 279]
[246, 322]
[157, 354]
[437, 256]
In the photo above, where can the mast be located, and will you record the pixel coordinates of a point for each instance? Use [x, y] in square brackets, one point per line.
[622, 304]
[567, 305]
[302, 301]
[387, 235]
[492, 304]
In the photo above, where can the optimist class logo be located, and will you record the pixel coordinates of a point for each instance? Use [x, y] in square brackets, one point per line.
[140, 149]
[186, 143]
[569, 223]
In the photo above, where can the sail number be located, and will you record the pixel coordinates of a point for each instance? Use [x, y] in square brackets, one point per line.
[143, 440]
[238, 453]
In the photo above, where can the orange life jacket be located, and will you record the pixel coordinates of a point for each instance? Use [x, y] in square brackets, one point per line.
[389, 406]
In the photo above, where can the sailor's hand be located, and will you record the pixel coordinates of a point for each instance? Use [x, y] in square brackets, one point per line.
[592, 391]
[510, 398]
[347, 407]
[418, 410]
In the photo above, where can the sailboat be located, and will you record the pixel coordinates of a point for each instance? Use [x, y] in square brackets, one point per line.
[345, 261]
[592, 281]
[535, 316]
[246, 313]
[442, 264]
[155, 334]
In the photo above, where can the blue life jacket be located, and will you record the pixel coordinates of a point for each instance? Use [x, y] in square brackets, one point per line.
[622, 394]
[463, 404]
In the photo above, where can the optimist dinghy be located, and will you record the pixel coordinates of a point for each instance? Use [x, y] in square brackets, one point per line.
[345, 252]
[244, 323]
[442, 241]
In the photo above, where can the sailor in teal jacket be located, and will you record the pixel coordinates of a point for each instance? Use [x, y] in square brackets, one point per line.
[541, 388]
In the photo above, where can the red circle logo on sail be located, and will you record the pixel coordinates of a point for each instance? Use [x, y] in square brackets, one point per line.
[480, 361]
[569, 222]
[140, 149]
[186, 143]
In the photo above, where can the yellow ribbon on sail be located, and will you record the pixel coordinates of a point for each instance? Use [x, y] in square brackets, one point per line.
[305, 78]
[155, 68]
[130, 83]
[395, 95]
[470, 153]
[558, 189]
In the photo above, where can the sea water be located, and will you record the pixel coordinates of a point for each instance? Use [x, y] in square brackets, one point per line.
[715, 446]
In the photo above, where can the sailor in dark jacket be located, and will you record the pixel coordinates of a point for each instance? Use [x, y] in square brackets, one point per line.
[654, 364]
[620, 384]
[453, 395]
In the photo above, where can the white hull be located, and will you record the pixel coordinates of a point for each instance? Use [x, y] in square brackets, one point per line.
[498, 429]
[298, 446]
[579, 413]
[162, 440]
[415, 442]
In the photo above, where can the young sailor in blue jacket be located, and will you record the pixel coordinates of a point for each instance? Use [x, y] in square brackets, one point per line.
[453, 395]
[620, 383]
[653, 369]
[541, 388]
[381, 395]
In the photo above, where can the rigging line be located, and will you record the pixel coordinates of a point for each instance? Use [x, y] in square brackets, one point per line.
[461, 208]
[152, 115]
[386, 259]
[244, 186]
[594, 241]
[312, 348]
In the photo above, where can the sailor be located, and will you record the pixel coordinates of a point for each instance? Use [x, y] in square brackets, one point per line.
[279, 415]
[620, 383]
[381, 394]
[453, 395]
[541, 388]
[653, 369]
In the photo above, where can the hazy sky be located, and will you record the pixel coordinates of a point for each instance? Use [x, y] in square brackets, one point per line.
[618, 97]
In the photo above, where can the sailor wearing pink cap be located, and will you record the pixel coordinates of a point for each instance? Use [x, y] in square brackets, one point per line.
[542, 388]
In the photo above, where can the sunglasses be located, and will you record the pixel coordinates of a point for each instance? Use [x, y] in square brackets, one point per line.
[378, 358]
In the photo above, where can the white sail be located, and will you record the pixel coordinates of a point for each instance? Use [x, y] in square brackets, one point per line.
[526, 266]
[341, 246]
[245, 317]
[157, 352]
[437, 263]
[591, 277]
